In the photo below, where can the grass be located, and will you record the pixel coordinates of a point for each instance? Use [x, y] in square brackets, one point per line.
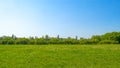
[60, 56]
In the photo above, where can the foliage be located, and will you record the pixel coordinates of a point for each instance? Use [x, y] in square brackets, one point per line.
[108, 42]
[108, 38]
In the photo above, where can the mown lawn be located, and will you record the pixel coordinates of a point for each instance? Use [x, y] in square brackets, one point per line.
[60, 56]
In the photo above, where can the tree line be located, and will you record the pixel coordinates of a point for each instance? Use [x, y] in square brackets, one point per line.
[107, 38]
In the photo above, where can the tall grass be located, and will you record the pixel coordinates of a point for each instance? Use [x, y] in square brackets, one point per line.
[60, 56]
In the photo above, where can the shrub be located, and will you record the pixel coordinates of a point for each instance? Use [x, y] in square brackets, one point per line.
[108, 42]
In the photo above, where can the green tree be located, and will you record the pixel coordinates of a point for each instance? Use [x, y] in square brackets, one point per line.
[95, 39]
[22, 41]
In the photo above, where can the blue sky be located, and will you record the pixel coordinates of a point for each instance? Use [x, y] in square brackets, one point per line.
[83, 18]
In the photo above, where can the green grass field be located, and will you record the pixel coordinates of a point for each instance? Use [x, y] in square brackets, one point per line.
[60, 56]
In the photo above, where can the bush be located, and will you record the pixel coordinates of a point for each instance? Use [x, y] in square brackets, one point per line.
[108, 42]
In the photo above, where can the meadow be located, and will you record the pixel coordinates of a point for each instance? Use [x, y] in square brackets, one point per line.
[60, 56]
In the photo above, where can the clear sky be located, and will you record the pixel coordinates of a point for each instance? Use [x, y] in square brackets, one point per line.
[83, 18]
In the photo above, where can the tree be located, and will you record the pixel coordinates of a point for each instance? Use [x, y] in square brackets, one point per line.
[22, 41]
[58, 37]
[41, 41]
[76, 37]
[7, 40]
[14, 37]
[84, 41]
[113, 36]
[46, 37]
[108, 42]
[54, 40]
[95, 39]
